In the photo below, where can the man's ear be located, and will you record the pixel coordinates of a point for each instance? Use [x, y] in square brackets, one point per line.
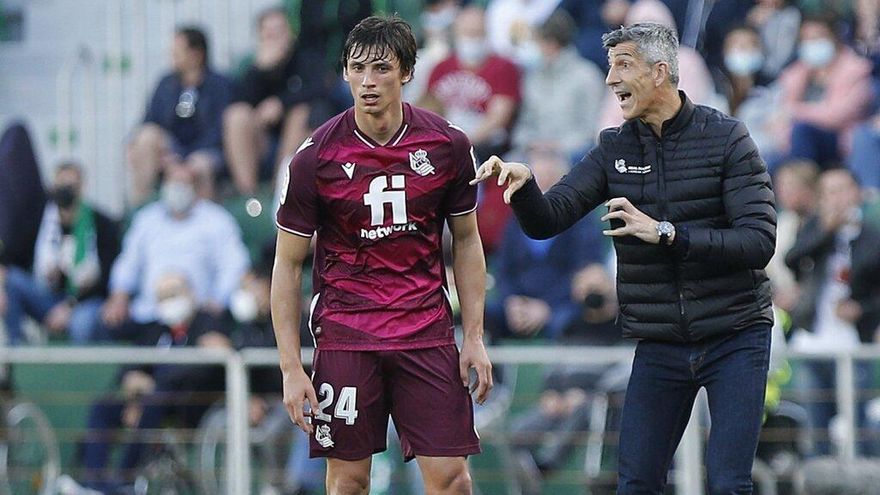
[407, 78]
[345, 74]
[660, 73]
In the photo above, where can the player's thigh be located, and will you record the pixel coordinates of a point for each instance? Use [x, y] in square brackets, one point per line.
[352, 416]
[432, 409]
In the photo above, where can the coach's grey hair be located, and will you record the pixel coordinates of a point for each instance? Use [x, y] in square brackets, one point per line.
[655, 42]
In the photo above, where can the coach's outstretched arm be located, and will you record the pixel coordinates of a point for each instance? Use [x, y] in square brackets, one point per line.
[290, 253]
[543, 216]
[469, 268]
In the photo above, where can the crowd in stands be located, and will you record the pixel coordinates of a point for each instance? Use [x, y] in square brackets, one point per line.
[525, 80]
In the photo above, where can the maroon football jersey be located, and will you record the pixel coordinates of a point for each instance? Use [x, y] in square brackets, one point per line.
[378, 213]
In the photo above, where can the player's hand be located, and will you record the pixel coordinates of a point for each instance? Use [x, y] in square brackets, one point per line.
[298, 389]
[513, 173]
[473, 355]
[635, 222]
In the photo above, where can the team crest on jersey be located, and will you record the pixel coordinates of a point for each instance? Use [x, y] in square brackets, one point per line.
[419, 162]
[322, 435]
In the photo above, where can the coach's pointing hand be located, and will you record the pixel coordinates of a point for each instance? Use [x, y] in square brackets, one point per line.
[514, 174]
[298, 389]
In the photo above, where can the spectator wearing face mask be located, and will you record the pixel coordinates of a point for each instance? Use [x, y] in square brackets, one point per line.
[149, 395]
[561, 96]
[181, 233]
[824, 94]
[478, 91]
[777, 22]
[436, 44]
[73, 253]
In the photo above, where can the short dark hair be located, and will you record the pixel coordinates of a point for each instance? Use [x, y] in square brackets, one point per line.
[378, 34]
[558, 28]
[196, 40]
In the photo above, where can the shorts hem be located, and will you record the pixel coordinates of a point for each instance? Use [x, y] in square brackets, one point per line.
[346, 456]
[450, 452]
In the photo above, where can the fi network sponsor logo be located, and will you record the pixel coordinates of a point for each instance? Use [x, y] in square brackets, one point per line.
[382, 232]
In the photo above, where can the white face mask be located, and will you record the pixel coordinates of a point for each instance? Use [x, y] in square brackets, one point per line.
[438, 21]
[817, 53]
[471, 51]
[743, 63]
[528, 55]
[243, 306]
[177, 196]
[175, 310]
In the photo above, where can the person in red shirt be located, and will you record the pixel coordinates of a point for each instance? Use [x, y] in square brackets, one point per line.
[480, 92]
[375, 185]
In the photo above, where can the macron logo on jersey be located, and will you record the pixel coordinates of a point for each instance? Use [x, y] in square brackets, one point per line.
[348, 168]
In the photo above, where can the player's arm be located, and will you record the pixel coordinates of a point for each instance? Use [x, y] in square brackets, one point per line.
[286, 299]
[469, 268]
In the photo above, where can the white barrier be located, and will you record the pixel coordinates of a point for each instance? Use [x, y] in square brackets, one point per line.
[689, 476]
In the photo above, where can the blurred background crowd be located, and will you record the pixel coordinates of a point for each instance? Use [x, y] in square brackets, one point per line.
[185, 259]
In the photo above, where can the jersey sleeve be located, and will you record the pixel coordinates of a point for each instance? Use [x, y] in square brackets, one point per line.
[461, 197]
[298, 212]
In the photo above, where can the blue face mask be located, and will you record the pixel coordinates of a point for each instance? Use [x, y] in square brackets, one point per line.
[817, 53]
[743, 63]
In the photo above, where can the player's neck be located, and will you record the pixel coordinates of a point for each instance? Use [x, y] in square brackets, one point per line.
[380, 127]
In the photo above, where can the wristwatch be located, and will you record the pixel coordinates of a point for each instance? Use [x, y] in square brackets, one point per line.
[665, 230]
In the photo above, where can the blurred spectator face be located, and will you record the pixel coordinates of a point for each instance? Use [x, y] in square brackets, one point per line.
[174, 300]
[375, 79]
[838, 191]
[251, 300]
[771, 4]
[795, 186]
[817, 44]
[183, 57]
[67, 187]
[743, 52]
[631, 78]
[178, 192]
[614, 12]
[593, 287]
[438, 16]
[275, 30]
[471, 47]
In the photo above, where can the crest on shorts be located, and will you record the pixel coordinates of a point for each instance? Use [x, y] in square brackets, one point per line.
[419, 162]
[322, 435]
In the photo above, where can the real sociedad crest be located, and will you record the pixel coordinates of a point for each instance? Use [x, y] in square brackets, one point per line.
[418, 161]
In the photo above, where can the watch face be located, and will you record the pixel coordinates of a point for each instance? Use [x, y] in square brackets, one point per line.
[665, 228]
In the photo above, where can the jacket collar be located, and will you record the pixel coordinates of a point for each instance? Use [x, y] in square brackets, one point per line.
[674, 125]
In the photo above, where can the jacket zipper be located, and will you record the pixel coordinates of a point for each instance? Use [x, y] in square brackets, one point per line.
[664, 215]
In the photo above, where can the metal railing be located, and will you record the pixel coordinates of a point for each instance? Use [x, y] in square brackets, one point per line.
[688, 475]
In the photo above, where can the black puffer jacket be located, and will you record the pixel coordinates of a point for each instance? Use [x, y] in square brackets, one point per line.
[705, 176]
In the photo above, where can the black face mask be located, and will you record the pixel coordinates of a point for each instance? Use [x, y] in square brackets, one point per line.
[65, 196]
[594, 300]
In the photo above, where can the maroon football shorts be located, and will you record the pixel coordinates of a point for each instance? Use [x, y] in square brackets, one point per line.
[419, 388]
